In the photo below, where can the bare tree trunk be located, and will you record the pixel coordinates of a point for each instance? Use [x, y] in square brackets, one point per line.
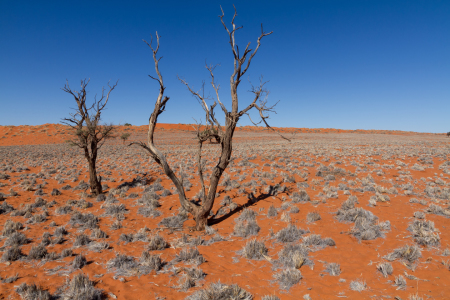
[94, 182]
[202, 213]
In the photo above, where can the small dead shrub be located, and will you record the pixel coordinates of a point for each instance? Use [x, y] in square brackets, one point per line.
[333, 269]
[288, 277]
[385, 269]
[254, 250]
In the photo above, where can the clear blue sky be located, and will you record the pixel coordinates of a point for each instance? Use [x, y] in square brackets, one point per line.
[333, 64]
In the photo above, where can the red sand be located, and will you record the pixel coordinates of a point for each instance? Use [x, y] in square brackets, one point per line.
[358, 260]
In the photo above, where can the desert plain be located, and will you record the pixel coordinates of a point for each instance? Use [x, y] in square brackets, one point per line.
[331, 214]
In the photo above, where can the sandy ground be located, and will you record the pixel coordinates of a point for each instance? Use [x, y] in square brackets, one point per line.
[325, 213]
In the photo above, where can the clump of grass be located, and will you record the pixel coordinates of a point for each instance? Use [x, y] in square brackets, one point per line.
[84, 221]
[81, 240]
[352, 214]
[37, 252]
[289, 234]
[272, 211]
[189, 278]
[64, 210]
[79, 261]
[11, 279]
[60, 231]
[400, 282]
[358, 285]
[148, 211]
[126, 238]
[66, 253]
[112, 210]
[288, 277]
[313, 217]
[407, 253]
[247, 215]
[419, 215]
[294, 256]
[98, 234]
[190, 255]
[270, 297]
[16, 239]
[173, 221]
[254, 250]
[245, 228]
[157, 242]
[186, 241]
[385, 269]
[300, 197]
[122, 265]
[333, 269]
[12, 254]
[294, 210]
[438, 210]
[81, 288]
[98, 246]
[221, 291]
[415, 297]
[424, 233]
[152, 261]
[316, 242]
[28, 292]
[11, 227]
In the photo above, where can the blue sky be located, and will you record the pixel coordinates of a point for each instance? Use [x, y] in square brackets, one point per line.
[332, 64]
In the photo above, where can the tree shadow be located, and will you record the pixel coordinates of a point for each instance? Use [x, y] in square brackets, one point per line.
[138, 180]
[251, 200]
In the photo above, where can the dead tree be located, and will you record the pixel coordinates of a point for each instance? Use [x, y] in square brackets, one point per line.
[212, 128]
[89, 134]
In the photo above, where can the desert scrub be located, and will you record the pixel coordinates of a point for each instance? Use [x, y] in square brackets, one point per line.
[313, 217]
[289, 234]
[424, 233]
[173, 221]
[245, 228]
[293, 256]
[11, 227]
[315, 242]
[113, 210]
[28, 292]
[438, 210]
[400, 282]
[254, 249]
[300, 197]
[272, 211]
[385, 269]
[16, 239]
[333, 269]
[407, 253]
[78, 262]
[358, 285]
[156, 242]
[288, 277]
[81, 240]
[81, 288]
[221, 291]
[151, 261]
[189, 278]
[189, 255]
[37, 252]
[12, 254]
[84, 221]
